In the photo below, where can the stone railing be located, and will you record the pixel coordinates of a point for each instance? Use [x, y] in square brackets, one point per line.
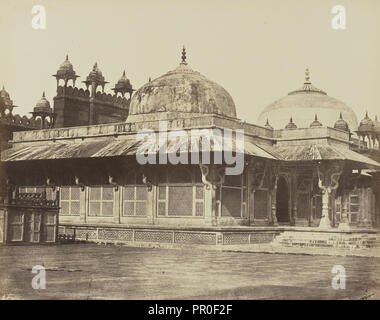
[196, 121]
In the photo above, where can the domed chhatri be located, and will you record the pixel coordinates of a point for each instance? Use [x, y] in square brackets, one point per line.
[6, 104]
[291, 124]
[341, 124]
[366, 125]
[123, 86]
[315, 123]
[267, 125]
[43, 105]
[6, 98]
[66, 72]
[95, 77]
[306, 102]
[182, 90]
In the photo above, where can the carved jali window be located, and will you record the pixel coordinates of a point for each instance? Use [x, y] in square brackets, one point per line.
[135, 196]
[101, 201]
[232, 196]
[70, 200]
[180, 192]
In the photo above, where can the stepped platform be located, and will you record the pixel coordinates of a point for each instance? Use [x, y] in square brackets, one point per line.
[333, 239]
[268, 239]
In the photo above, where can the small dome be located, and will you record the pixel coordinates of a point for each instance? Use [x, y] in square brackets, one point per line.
[123, 85]
[66, 66]
[95, 76]
[124, 82]
[340, 124]
[366, 124]
[291, 125]
[6, 98]
[182, 90]
[66, 71]
[43, 105]
[315, 123]
[306, 102]
[267, 125]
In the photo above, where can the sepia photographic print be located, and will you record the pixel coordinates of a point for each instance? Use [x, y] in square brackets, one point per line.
[189, 150]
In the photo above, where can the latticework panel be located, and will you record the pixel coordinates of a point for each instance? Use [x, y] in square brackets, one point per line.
[84, 234]
[141, 208]
[154, 236]
[107, 209]
[195, 238]
[180, 201]
[231, 202]
[110, 234]
[235, 238]
[75, 208]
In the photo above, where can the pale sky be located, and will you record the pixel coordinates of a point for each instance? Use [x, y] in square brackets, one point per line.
[256, 49]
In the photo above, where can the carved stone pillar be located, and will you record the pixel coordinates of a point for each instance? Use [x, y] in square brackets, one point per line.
[344, 224]
[212, 178]
[328, 175]
[274, 201]
[293, 217]
[257, 172]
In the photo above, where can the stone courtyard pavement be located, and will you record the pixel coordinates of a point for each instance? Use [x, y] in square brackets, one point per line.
[90, 271]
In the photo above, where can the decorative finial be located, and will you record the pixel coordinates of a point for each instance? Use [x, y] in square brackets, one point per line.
[150, 79]
[307, 75]
[366, 114]
[315, 117]
[340, 115]
[267, 122]
[67, 57]
[43, 94]
[124, 73]
[184, 56]
[95, 66]
[291, 120]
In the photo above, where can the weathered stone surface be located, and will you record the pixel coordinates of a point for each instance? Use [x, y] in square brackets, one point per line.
[182, 90]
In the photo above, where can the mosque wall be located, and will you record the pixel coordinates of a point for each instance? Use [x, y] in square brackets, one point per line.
[72, 107]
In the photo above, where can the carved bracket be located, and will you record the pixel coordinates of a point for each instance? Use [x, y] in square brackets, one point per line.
[78, 183]
[212, 176]
[113, 182]
[51, 184]
[328, 176]
[147, 183]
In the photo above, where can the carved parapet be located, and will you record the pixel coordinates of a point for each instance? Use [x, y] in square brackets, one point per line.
[73, 92]
[116, 101]
[33, 199]
[100, 97]
[21, 121]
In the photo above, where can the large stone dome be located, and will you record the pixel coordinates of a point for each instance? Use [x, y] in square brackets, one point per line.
[182, 90]
[303, 105]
